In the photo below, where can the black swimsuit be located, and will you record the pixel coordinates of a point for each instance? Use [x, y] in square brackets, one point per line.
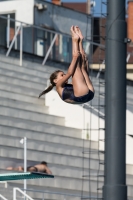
[68, 93]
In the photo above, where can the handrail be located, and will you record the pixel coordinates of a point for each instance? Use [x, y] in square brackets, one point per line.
[1, 196]
[4, 182]
[17, 189]
[20, 28]
[46, 29]
[14, 38]
[35, 26]
[60, 193]
[49, 50]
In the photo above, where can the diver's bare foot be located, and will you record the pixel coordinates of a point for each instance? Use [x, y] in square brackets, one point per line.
[78, 32]
[74, 35]
[9, 168]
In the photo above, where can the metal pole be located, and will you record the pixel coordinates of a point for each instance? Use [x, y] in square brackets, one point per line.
[43, 197]
[16, 41]
[101, 67]
[8, 31]
[83, 121]
[115, 100]
[11, 45]
[49, 50]
[128, 57]
[21, 45]
[2, 197]
[14, 193]
[25, 162]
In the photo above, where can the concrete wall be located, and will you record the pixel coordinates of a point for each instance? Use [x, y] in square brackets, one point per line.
[61, 19]
[77, 118]
[22, 8]
[56, 17]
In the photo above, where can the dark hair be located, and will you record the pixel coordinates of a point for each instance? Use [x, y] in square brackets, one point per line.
[44, 163]
[52, 77]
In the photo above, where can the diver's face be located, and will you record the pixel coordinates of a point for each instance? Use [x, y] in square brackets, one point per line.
[59, 76]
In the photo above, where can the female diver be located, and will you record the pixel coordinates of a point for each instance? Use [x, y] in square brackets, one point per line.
[81, 90]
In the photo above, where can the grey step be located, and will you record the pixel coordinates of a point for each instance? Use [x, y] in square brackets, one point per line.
[63, 183]
[28, 64]
[49, 196]
[129, 169]
[55, 158]
[25, 70]
[38, 126]
[3, 185]
[22, 97]
[47, 136]
[129, 179]
[23, 105]
[24, 76]
[129, 197]
[20, 89]
[50, 147]
[68, 181]
[8, 194]
[24, 83]
[130, 190]
[57, 169]
[32, 116]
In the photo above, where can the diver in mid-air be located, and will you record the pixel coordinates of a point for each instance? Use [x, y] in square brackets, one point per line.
[81, 90]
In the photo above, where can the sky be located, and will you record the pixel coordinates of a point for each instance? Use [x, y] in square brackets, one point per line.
[96, 9]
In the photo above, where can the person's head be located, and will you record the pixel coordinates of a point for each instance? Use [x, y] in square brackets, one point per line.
[43, 163]
[54, 78]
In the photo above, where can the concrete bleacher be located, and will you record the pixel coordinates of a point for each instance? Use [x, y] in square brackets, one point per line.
[22, 114]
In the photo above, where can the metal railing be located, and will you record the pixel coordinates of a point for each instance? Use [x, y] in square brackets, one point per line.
[61, 194]
[2, 197]
[15, 190]
[39, 41]
[19, 29]
[4, 182]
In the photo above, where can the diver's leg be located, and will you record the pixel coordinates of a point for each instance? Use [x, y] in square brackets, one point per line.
[79, 84]
[84, 60]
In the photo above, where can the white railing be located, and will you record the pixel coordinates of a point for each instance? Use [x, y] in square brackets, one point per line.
[19, 31]
[49, 50]
[20, 191]
[103, 64]
[63, 196]
[2, 197]
[4, 182]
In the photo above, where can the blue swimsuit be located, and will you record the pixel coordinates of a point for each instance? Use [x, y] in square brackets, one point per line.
[68, 93]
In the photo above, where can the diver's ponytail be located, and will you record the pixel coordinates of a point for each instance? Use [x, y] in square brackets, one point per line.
[46, 91]
[53, 76]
